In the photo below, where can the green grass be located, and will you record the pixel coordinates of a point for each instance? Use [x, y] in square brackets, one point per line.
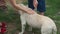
[53, 11]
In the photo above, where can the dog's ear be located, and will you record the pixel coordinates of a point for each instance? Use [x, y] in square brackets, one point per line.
[20, 11]
[22, 5]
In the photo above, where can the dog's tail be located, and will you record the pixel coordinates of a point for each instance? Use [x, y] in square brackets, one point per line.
[54, 30]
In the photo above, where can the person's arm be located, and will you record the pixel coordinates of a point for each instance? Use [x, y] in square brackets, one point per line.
[13, 3]
[35, 3]
[17, 6]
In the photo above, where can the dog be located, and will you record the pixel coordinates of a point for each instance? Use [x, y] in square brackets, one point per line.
[46, 24]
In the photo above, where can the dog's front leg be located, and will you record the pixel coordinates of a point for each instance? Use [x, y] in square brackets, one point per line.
[23, 22]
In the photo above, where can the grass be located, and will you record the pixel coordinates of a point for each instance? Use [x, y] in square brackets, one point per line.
[13, 18]
[53, 12]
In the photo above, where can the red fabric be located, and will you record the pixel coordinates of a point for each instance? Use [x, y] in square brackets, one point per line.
[3, 25]
[3, 28]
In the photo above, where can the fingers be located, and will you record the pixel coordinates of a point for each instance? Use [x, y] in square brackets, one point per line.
[31, 12]
[35, 3]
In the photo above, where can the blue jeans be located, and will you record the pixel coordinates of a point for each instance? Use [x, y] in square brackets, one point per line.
[41, 5]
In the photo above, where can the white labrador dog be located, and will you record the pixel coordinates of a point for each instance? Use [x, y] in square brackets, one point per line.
[44, 23]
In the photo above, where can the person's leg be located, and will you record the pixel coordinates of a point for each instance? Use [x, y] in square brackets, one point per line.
[41, 13]
[30, 4]
[41, 7]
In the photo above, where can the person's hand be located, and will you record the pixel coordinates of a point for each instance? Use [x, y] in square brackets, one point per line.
[35, 3]
[31, 12]
[27, 9]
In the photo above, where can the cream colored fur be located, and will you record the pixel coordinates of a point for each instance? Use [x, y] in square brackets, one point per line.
[46, 24]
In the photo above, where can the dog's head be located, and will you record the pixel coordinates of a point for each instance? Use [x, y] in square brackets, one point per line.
[25, 8]
[21, 11]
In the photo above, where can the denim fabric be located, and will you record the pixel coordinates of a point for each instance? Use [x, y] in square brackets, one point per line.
[41, 5]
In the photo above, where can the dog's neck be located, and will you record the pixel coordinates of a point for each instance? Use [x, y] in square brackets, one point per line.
[21, 13]
[26, 15]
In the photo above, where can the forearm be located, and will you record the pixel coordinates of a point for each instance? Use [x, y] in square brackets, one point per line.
[17, 6]
[20, 7]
